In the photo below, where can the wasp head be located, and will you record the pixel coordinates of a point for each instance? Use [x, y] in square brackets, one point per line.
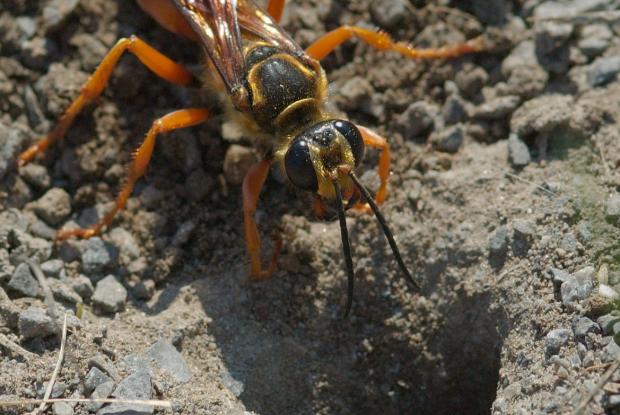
[322, 154]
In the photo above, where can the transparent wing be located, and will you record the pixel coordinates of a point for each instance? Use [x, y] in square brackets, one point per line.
[220, 24]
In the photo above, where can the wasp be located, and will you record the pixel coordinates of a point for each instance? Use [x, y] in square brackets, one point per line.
[277, 91]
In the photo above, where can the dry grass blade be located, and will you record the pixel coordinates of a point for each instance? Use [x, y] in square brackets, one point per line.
[15, 348]
[24, 402]
[61, 355]
[602, 381]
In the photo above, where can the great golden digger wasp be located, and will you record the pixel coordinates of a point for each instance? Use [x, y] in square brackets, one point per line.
[277, 92]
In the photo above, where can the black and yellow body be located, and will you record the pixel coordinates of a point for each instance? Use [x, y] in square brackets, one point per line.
[286, 98]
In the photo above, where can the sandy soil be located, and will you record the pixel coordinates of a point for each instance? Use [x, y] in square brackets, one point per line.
[486, 232]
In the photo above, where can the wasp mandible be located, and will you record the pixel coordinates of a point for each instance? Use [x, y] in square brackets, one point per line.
[277, 91]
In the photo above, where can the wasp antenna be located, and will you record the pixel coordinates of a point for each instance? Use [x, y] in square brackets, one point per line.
[346, 247]
[386, 230]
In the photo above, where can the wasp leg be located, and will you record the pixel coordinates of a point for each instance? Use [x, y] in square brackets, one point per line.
[154, 60]
[319, 208]
[275, 8]
[324, 45]
[252, 185]
[374, 140]
[172, 121]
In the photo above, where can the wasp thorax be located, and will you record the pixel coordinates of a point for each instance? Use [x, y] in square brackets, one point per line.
[319, 150]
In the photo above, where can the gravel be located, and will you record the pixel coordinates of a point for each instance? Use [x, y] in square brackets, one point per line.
[110, 295]
[62, 408]
[53, 267]
[54, 206]
[94, 378]
[82, 285]
[449, 140]
[97, 255]
[23, 283]
[166, 357]
[554, 341]
[498, 246]
[9, 312]
[578, 286]
[34, 322]
[582, 326]
[603, 70]
[35, 175]
[518, 152]
[135, 386]
[612, 208]
[417, 121]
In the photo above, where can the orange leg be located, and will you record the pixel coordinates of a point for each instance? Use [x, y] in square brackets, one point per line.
[381, 41]
[155, 61]
[252, 185]
[275, 8]
[172, 121]
[374, 140]
[319, 208]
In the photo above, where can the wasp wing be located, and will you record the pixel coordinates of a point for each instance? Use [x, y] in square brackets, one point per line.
[219, 24]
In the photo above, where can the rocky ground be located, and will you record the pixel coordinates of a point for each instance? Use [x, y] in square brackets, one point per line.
[504, 200]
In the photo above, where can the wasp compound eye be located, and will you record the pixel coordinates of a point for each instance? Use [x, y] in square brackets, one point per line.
[353, 137]
[298, 166]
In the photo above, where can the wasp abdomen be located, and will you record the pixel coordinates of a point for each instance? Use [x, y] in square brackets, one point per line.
[276, 81]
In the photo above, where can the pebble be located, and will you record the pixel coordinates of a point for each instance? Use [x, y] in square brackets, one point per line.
[524, 232]
[559, 275]
[24, 283]
[125, 242]
[28, 247]
[54, 206]
[183, 233]
[36, 175]
[101, 392]
[594, 39]
[97, 255]
[388, 15]
[498, 245]
[554, 341]
[612, 208]
[492, 12]
[58, 390]
[582, 326]
[169, 360]
[105, 365]
[454, 110]
[53, 267]
[62, 408]
[237, 162]
[578, 286]
[569, 243]
[552, 48]
[9, 313]
[56, 12]
[110, 295]
[136, 386]
[496, 108]
[12, 141]
[83, 286]
[94, 378]
[603, 70]
[470, 80]
[542, 115]
[144, 289]
[611, 352]
[607, 322]
[449, 140]
[518, 152]
[34, 322]
[417, 120]
[62, 292]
